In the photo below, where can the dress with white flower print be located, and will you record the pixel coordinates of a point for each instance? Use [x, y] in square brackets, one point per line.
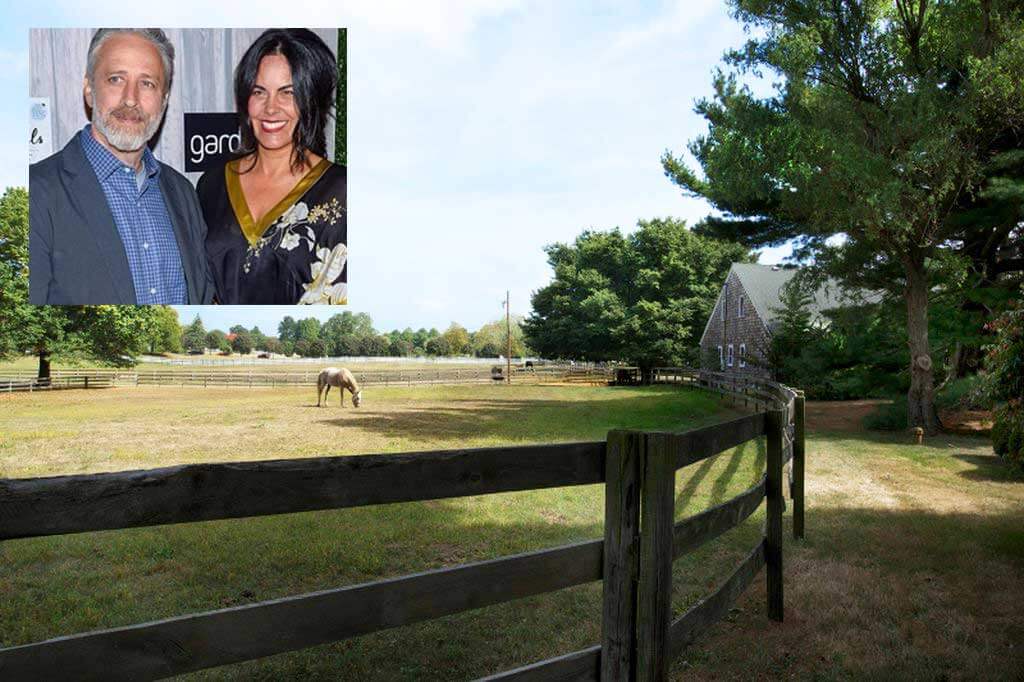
[300, 256]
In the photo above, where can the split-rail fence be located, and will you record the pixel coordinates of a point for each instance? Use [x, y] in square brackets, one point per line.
[25, 380]
[634, 558]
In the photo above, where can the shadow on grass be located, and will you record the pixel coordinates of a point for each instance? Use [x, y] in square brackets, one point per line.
[990, 468]
[942, 441]
[864, 576]
[543, 419]
[881, 594]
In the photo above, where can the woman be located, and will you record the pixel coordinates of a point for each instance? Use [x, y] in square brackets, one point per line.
[277, 228]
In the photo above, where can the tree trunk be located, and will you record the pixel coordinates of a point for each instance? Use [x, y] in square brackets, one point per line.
[44, 367]
[920, 397]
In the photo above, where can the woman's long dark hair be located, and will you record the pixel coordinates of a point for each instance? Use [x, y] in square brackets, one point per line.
[314, 77]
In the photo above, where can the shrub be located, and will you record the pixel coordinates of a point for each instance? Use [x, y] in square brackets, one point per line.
[1005, 383]
[1008, 433]
[965, 394]
[888, 417]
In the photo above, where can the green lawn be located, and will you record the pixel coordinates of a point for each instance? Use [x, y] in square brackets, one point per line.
[912, 567]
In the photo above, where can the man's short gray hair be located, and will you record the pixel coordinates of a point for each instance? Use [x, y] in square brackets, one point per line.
[153, 35]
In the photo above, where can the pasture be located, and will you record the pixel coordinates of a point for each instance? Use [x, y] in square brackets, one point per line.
[913, 564]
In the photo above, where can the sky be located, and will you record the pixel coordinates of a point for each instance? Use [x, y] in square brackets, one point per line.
[478, 132]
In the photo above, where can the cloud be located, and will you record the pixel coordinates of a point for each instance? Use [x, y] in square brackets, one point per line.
[441, 24]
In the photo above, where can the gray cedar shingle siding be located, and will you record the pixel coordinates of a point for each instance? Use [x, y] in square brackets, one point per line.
[761, 287]
[726, 326]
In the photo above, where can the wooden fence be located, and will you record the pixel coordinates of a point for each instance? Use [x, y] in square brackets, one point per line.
[25, 380]
[12, 384]
[634, 559]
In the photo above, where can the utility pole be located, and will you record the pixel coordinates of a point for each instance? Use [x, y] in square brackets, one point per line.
[508, 338]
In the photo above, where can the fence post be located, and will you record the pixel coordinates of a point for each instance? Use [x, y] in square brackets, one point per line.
[654, 600]
[773, 531]
[621, 524]
[797, 493]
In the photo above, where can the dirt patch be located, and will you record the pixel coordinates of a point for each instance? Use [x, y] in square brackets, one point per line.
[839, 415]
[967, 422]
[848, 416]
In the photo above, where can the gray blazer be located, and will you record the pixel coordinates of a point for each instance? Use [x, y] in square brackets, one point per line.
[75, 252]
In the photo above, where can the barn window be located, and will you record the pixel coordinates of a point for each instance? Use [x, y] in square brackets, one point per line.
[729, 358]
[721, 362]
[739, 313]
[725, 299]
[743, 355]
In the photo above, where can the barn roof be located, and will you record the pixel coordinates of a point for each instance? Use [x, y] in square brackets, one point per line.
[763, 285]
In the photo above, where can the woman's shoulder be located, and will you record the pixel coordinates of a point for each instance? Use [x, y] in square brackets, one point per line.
[212, 180]
[335, 173]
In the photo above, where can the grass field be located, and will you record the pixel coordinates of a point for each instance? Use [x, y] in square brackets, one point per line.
[913, 565]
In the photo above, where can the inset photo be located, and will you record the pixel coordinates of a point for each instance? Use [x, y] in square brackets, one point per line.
[188, 166]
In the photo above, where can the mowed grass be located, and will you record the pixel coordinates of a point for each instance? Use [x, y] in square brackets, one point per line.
[912, 567]
[67, 432]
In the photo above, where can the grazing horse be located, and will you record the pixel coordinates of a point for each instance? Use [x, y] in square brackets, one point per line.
[342, 378]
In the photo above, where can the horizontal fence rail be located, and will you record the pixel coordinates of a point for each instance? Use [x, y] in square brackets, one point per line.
[204, 492]
[188, 643]
[633, 560]
[26, 380]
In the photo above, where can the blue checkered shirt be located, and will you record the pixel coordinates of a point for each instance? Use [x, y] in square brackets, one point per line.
[143, 223]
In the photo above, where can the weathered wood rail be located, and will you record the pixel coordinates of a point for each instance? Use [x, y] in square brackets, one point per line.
[211, 378]
[634, 559]
[12, 384]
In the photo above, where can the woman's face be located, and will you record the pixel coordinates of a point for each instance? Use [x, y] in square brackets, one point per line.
[272, 110]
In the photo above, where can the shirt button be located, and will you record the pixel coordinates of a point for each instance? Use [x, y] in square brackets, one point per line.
[145, 245]
[152, 290]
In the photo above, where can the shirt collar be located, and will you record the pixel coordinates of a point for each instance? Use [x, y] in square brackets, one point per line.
[105, 163]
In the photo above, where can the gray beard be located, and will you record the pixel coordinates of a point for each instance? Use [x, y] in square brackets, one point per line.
[120, 139]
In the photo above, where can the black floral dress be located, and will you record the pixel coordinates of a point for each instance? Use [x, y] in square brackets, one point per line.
[296, 254]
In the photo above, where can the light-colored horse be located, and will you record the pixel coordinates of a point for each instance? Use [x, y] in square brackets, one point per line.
[342, 378]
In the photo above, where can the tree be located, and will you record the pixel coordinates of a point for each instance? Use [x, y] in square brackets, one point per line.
[348, 334]
[881, 124]
[287, 330]
[399, 347]
[259, 341]
[1005, 383]
[491, 340]
[374, 345]
[193, 337]
[14, 310]
[793, 331]
[307, 329]
[316, 349]
[217, 340]
[643, 298]
[242, 343]
[438, 346]
[108, 334]
[855, 351]
[457, 338]
[165, 334]
[112, 335]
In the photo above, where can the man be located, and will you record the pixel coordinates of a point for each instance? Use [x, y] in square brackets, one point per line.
[108, 222]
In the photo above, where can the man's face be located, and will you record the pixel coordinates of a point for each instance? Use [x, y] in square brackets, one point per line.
[128, 95]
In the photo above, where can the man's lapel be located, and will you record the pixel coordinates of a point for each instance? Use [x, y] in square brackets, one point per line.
[179, 221]
[90, 202]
